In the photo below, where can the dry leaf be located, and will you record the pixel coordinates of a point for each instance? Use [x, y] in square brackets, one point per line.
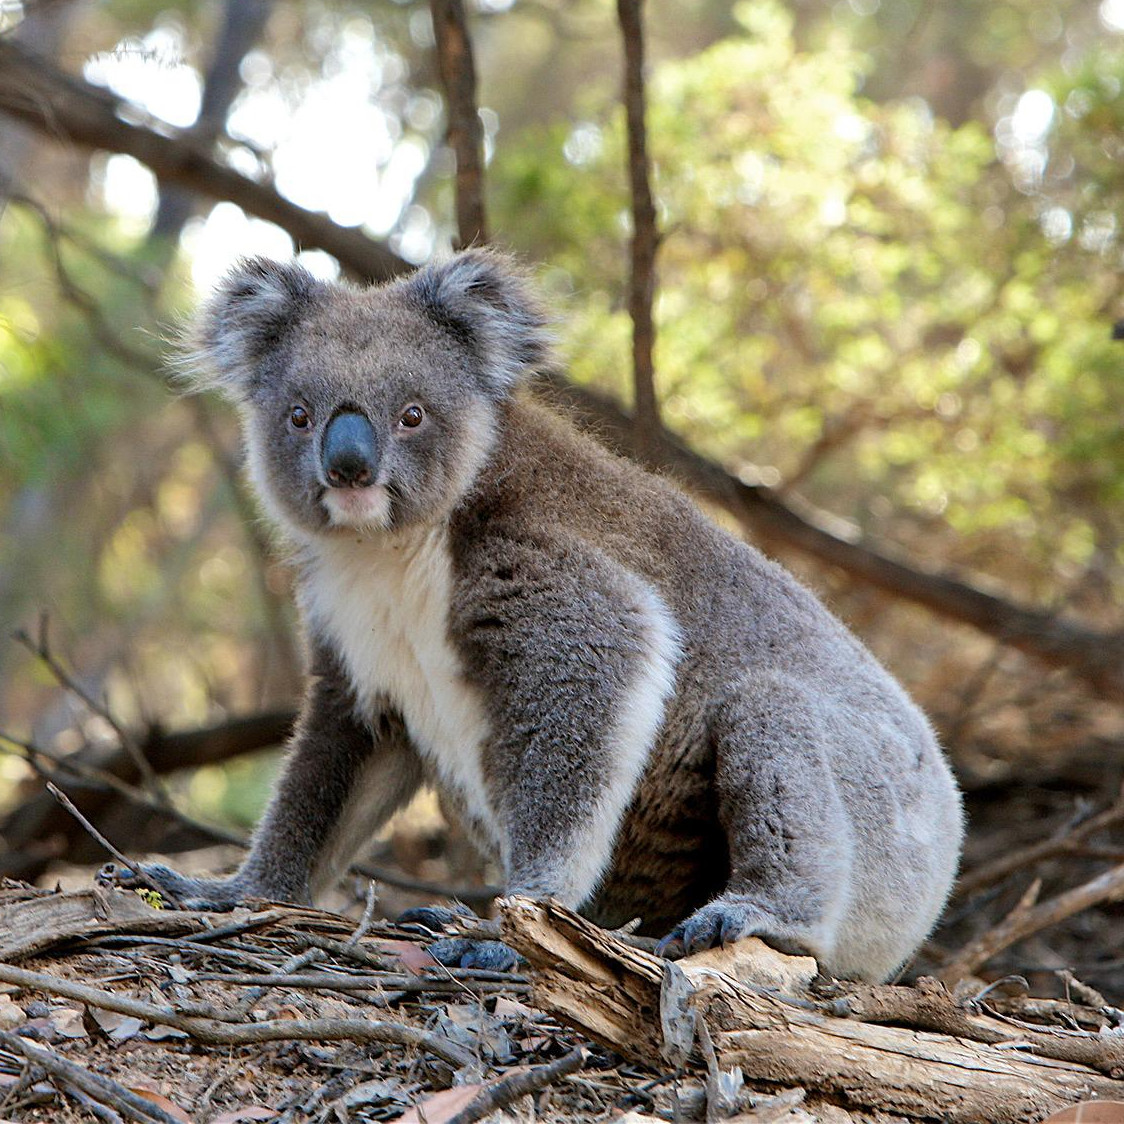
[69, 1022]
[411, 956]
[170, 1107]
[118, 1027]
[511, 1008]
[1090, 1112]
[441, 1106]
[11, 1014]
[247, 1112]
[161, 1031]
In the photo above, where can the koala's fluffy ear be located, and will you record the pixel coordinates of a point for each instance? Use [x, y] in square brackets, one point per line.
[483, 299]
[247, 316]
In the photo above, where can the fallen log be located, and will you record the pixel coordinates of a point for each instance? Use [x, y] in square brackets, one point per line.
[643, 1007]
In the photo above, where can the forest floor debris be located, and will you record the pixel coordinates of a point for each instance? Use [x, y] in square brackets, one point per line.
[113, 1010]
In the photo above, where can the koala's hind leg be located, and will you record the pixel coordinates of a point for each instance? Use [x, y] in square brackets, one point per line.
[788, 834]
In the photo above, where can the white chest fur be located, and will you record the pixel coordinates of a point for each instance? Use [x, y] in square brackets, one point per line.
[384, 604]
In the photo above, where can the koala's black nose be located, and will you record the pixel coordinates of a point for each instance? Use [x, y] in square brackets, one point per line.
[350, 454]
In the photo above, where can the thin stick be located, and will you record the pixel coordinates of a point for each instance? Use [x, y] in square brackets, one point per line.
[1023, 921]
[368, 917]
[93, 1084]
[986, 874]
[41, 649]
[509, 1089]
[216, 1033]
[122, 858]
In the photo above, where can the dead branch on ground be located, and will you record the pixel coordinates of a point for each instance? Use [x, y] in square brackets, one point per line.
[975, 1067]
[1027, 918]
[1070, 840]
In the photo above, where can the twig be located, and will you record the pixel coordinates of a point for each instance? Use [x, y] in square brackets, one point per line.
[368, 917]
[465, 134]
[100, 1088]
[507, 1090]
[645, 237]
[265, 984]
[328, 981]
[122, 858]
[40, 648]
[1026, 919]
[1068, 840]
[216, 1033]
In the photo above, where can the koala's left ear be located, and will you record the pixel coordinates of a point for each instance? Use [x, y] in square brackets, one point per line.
[484, 299]
[254, 307]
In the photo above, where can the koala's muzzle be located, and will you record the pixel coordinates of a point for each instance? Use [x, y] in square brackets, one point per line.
[350, 453]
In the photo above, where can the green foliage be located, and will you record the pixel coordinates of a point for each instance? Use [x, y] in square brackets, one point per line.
[852, 292]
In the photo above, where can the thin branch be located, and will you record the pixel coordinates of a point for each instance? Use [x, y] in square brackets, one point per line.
[645, 236]
[123, 859]
[1026, 919]
[465, 135]
[1065, 842]
[507, 1090]
[216, 1033]
[41, 649]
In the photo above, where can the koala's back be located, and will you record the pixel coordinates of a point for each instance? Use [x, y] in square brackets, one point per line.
[755, 648]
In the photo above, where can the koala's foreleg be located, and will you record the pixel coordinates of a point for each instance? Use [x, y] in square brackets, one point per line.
[342, 780]
[788, 833]
[576, 658]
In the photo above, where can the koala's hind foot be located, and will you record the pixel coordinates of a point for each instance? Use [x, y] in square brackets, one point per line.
[488, 956]
[208, 894]
[728, 919]
[461, 952]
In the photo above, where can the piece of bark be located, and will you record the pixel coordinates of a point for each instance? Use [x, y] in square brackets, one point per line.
[752, 961]
[32, 924]
[611, 991]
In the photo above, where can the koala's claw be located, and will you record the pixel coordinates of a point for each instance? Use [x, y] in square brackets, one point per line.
[460, 952]
[720, 922]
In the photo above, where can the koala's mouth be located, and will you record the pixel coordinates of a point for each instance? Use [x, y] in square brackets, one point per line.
[363, 508]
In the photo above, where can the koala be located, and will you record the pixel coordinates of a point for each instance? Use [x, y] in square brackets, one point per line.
[632, 711]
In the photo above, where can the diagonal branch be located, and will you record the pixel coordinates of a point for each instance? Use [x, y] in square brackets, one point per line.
[1096, 658]
[70, 109]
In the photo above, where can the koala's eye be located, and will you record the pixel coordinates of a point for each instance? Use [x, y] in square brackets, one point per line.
[411, 417]
[299, 418]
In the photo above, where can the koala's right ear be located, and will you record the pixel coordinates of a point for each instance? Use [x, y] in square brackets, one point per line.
[249, 314]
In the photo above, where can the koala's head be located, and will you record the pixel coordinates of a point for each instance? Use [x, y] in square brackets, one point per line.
[368, 408]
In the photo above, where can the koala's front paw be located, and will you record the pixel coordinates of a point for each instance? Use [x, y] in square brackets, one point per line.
[210, 894]
[460, 952]
[720, 922]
